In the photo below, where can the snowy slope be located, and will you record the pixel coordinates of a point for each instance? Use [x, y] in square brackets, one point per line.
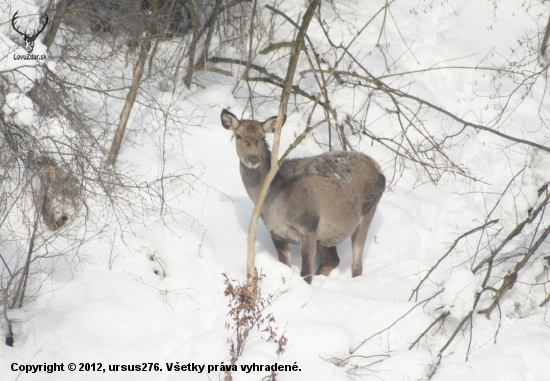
[115, 305]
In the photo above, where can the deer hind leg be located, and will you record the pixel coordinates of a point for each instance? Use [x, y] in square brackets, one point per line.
[308, 245]
[359, 237]
[283, 252]
[329, 259]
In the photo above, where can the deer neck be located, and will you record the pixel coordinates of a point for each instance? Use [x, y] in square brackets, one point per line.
[253, 178]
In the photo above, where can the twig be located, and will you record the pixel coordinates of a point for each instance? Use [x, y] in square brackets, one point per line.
[513, 233]
[510, 279]
[439, 318]
[417, 288]
[396, 321]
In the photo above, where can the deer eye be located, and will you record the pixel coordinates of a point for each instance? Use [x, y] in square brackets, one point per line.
[238, 136]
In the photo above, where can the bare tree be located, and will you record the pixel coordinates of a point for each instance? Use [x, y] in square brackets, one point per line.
[295, 53]
[56, 194]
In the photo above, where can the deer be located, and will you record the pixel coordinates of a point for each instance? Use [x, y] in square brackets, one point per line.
[316, 202]
[29, 40]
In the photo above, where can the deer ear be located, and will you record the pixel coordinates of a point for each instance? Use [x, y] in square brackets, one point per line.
[229, 121]
[269, 125]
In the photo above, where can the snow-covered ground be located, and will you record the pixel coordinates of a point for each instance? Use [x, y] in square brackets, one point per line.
[115, 305]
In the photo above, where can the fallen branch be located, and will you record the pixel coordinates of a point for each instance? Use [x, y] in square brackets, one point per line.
[396, 321]
[438, 319]
[510, 279]
[417, 288]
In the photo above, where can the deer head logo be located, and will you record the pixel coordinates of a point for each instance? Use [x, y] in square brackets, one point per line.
[29, 40]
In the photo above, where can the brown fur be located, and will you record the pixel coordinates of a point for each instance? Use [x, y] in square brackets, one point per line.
[315, 202]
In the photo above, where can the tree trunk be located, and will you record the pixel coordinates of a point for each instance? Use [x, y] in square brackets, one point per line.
[59, 13]
[125, 115]
[210, 25]
[194, 40]
[295, 54]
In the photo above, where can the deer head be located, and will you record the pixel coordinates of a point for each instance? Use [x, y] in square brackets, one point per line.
[250, 136]
[29, 40]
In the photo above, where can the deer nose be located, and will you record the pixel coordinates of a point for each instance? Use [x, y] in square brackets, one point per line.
[254, 159]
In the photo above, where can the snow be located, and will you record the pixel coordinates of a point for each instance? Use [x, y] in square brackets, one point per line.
[459, 292]
[21, 107]
[154, 293]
